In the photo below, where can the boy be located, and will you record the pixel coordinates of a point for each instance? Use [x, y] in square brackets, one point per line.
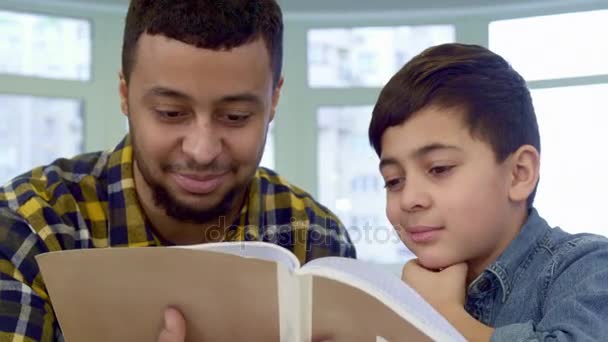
[459, 145]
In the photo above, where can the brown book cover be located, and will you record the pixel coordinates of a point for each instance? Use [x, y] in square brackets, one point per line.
[241, 291]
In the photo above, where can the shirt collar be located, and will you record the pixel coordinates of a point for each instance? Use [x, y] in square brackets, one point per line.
[505, 266]
[246, 227]
[127, 224]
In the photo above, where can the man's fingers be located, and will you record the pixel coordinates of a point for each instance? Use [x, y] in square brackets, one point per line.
[174, 329]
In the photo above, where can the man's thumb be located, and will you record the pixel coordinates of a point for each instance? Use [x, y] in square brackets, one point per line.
[174, 329]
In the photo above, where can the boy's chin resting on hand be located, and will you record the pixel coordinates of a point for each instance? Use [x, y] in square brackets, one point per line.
[445, 290]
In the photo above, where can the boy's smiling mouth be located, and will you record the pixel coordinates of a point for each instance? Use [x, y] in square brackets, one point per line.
[423, 234]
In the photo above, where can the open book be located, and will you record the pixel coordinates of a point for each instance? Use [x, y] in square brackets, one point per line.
[233, 291]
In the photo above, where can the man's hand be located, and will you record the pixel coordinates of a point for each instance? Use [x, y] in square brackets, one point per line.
[445, 290]
[174, 329]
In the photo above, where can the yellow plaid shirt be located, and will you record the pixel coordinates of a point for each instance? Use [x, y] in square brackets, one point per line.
[90, 202]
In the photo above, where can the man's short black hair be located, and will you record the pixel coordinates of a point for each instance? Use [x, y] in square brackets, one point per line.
[210, 24]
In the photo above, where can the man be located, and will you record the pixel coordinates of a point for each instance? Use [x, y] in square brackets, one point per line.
[200, 83]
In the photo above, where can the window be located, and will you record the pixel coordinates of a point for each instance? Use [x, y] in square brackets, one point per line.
[65, 44]
[572, 119]
[573, 185]
[554, 46]
[350, 183]
[37, 130]
[268, 156]
[367, 56]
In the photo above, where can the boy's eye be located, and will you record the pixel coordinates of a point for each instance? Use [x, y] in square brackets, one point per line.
[394, 184]
[440, 170]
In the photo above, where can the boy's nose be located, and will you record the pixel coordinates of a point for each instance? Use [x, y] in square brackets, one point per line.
[414, 198]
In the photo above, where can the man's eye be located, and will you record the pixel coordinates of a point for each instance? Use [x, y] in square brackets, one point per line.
[169, 114]
[236, 118]
[440, 170]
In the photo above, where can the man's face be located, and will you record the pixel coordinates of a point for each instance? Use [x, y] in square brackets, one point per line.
[446, 193]
[198, 120]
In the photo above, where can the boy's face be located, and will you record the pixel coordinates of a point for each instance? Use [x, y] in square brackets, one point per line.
[447, 195]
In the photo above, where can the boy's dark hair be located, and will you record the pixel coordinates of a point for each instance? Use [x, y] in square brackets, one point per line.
[495, 99]
[210, 24]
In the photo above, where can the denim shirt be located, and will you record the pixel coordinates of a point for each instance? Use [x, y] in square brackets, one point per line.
[547, 285]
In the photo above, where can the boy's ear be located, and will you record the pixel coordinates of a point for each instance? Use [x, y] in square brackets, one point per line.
[525, 166]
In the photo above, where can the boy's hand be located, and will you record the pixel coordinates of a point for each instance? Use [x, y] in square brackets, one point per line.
[174, 329]
[445, 290]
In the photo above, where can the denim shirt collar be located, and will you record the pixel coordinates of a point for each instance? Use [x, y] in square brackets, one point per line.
[505, 266]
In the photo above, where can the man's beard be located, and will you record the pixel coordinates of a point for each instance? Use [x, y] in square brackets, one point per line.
[182, 212]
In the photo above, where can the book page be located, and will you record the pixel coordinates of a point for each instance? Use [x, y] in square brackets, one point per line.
[387, 288]
[252, 249]
[342, 313]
